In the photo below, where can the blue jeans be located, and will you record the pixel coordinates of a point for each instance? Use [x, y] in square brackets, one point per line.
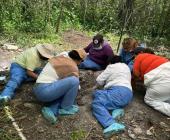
[90, 64]
[107, 100]
[59, 94]
[18, 75]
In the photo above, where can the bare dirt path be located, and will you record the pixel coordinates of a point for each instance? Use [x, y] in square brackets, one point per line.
[142, 122]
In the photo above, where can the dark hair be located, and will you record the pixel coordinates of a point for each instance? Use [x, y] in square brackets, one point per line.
[149, 50]
[98, 37]
[74, 55]
[139, 50]
[114, 59]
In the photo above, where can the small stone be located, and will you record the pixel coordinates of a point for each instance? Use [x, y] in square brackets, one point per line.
[163, 124]
[137, 130]
[16, 102]
[22, 117]
[20, 50]
[148, 132]
[140, 112]
[10, 47]
[114, 137]
[29, 105]
[131, 135]
[41, 129]
[167, 130]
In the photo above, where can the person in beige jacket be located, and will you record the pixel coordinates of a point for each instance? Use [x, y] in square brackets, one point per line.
[58, 85]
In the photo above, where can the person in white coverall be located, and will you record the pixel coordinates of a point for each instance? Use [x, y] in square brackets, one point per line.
[154, 71]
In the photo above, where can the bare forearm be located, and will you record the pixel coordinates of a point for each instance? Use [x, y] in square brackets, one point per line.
[32, 74]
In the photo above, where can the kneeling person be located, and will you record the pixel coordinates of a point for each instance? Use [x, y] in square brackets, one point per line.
[58, 85]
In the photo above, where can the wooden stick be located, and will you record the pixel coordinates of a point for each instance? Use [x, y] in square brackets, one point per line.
[9, 115]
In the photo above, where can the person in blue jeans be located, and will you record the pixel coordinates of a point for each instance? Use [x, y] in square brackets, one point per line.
[116, 94]
[58, 83]
[26, 67]
[99, 52]
[127, 51]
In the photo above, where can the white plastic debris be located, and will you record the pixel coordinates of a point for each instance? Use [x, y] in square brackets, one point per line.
[10, 47]
[2, 78]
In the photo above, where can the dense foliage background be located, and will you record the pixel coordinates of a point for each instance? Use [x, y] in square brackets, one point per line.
[146, 20]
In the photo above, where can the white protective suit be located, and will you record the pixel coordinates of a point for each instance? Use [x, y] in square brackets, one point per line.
[157, 83]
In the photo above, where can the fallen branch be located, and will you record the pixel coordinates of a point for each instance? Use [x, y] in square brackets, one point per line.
[88, 133]
[9, 115]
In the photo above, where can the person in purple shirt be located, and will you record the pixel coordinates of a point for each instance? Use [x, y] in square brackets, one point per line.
[99, 54]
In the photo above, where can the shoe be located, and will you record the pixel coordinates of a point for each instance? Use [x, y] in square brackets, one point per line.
[71, 111]
[117, 113]
[76, 107]
[113, 129]
[49, 115]
[4, 100]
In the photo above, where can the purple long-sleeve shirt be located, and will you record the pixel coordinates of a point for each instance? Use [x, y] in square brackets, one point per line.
[99, 56]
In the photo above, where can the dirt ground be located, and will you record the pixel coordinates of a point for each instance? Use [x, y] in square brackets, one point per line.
[142, 122]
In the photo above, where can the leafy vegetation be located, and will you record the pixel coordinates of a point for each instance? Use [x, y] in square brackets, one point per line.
[26, 21]
[78, 135]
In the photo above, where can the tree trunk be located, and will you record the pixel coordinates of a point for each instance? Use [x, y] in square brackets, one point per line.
[60, 16]
[128, 12]
[85, 10]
